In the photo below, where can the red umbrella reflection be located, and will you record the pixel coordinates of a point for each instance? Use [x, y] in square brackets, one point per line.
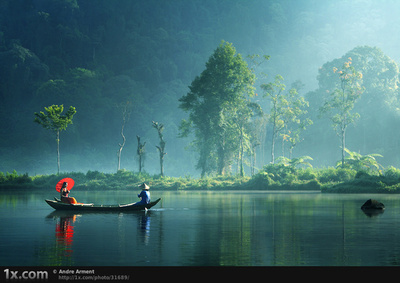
[65, 233]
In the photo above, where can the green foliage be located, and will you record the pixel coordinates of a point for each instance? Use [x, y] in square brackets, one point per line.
[95, 175]
[360, 162]
[342, 100]
[295, 162]
[53, 120]
[284, 175]
[15, 180]
[279, 172]
[332, 175]
[275, 92]
[94, 55]
[218, 106]
[376, 105]
[288, 112]
[392, 173]
[121, 180]
[307, 174]
[296, 118]
[271, 177]
[262, 180]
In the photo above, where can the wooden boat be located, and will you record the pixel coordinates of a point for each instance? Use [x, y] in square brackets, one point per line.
[58, 205]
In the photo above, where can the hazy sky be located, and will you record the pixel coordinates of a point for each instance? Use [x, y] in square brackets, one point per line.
[327, 29]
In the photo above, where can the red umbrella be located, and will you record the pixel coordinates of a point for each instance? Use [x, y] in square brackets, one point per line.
[70, 182]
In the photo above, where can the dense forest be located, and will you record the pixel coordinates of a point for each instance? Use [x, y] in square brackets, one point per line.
[100, 56]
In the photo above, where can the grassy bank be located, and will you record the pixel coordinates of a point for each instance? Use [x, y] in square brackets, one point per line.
[122, 180]
[271, 177]
[365, 182]
[328, 180]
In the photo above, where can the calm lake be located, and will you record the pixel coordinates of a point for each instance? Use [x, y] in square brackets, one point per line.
[250, 228]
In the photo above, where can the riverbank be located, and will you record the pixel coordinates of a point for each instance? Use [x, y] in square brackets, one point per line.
[271, 177]
[122, 180]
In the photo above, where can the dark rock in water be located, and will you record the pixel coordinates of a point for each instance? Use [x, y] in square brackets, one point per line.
[372, 204]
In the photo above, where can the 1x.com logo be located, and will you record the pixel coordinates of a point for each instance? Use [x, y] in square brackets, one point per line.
[32, 275]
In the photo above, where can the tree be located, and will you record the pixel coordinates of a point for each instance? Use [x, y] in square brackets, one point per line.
[280, 108]
[216, 100]
[376, 106]
[295, 118]
[287, 114]
[342, 99]
[140, 152]
[247, 138]
[126, 111]
[161, 148]
[54, 121]
[257, 130]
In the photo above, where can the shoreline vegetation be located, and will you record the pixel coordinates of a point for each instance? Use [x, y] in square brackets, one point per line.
[271, 177]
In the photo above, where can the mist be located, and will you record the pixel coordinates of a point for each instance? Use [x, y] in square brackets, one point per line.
[95, 55]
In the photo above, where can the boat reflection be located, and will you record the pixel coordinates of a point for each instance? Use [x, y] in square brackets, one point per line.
[144, 227]
[67, 220]
[64, 232]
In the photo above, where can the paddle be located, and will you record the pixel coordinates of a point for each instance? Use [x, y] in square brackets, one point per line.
[70, 182]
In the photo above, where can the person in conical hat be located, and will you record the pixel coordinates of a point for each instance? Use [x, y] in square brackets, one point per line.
[144, 194]
[144, 186]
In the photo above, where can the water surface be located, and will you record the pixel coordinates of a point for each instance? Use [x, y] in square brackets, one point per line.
[202, 228]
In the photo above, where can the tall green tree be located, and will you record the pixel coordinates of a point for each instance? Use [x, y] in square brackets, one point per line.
[342, 100]
[295, 118]
[54, 120]
[217, 98]
[287, 114]
[376, 106]
[280, 107]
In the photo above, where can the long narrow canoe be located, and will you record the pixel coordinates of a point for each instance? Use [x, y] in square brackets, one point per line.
[58, 205]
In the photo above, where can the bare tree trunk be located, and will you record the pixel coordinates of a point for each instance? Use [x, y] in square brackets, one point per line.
[161, 164]
[140, 152]
[254, 156]
[204, 155]
[273, 147]
[343, 125]
[162, 153]
[221, 157]
[343, 144]
[126, 112]
[290, 152]
[58, 151]
[161, 148]
[241, 152]
[254, 163]
[121, 146]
